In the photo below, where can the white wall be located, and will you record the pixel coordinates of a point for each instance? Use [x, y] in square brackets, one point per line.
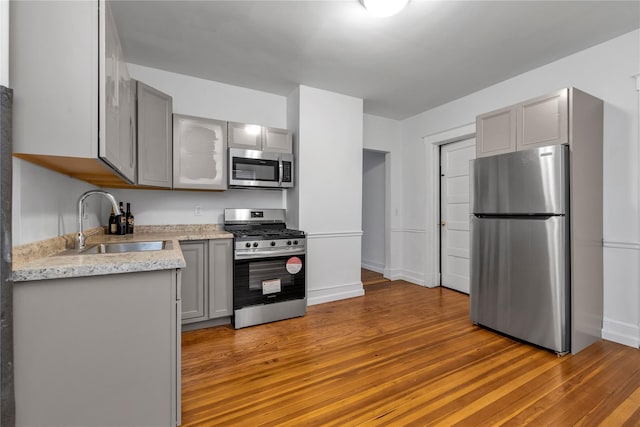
[206, 98]
[45, 203]
[329, 190]
[373, 210]
[4, 43]
[383, 135]
[604, 71]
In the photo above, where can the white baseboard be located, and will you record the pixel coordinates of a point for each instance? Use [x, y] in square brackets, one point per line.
[621, 332]
[334, 293]
[413, 277]
[392, 273]
[373, 266]
[406, 275]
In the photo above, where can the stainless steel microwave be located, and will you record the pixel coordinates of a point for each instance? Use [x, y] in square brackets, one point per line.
[255, 168]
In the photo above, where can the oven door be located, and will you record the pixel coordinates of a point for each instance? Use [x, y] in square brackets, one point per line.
[253, 168]
[268, 280]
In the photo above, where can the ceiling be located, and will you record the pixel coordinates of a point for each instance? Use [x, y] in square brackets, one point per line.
[429, 54]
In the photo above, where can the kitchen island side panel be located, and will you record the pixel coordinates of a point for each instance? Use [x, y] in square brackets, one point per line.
[97, 351]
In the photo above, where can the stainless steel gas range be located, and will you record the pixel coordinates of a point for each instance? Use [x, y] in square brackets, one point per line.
[268, 267]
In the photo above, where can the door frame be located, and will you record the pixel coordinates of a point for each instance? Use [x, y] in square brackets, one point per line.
[432, 149]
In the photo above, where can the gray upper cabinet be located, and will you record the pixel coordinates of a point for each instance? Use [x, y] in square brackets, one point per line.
[254, 137]
[68, 77]
[245, 136]
[534, 123]
[199, 153]
[117, 142]
[277, 140]
[496, 132]
[155, 152]
[543, 121]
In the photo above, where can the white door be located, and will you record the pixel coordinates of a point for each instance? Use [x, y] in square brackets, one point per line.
[454, 213]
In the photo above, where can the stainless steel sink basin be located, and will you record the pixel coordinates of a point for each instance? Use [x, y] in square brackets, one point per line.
[121, 247]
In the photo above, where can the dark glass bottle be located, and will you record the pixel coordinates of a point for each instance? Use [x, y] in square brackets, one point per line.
[130, 219]
[122, 221]
[113, 223]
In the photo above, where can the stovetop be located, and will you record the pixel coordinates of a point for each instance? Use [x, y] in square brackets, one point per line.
[261, 225]
[267, 233]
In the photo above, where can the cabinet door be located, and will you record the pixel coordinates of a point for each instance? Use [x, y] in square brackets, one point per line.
[109, 148]
[127, 123]
[155, 151]
[199, 153]
[277, 140]
[54, 49]
[220, 278]
[496, 132]
[543, 121]
[241, 135]
[194, 278]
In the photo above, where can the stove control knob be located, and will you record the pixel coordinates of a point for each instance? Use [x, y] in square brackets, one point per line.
[255, 244]
[295, 242]
[289, 242]
[247, 245]
[273, 243]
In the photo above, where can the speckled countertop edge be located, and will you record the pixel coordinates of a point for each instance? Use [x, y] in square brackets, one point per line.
[38, 260]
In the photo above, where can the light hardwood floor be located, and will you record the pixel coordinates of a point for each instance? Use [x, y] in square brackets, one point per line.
[400, 355]
[369, 277]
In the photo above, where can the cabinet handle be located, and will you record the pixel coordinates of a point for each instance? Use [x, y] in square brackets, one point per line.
[131, 160]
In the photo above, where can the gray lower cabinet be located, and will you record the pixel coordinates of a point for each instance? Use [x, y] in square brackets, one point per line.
[207, 280]
[98, 351]
[193, 281]
[220, 278]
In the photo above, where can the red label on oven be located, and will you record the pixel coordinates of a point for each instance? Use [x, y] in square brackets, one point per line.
[294, 265]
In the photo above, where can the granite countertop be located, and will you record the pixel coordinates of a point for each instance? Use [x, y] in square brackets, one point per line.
[42, 260]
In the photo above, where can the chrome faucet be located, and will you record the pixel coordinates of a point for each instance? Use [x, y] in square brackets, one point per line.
[81, 237]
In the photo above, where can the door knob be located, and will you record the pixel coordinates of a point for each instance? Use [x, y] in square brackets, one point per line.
[442, 223]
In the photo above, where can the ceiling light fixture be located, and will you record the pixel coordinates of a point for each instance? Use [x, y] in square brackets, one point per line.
[383, 8]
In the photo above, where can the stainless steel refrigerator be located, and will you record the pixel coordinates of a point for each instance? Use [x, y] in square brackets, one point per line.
[520, 247]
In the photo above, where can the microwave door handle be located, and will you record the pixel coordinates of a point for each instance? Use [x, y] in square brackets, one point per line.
[280, 169]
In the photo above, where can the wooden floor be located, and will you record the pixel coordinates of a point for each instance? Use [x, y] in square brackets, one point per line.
[401, 355]
[369, 277]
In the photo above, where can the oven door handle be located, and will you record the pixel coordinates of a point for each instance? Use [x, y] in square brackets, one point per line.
[267, 254]
[280, 171]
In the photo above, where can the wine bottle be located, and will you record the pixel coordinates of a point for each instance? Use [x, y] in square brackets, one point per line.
[122, 221]
[130, 219]
[113, 223]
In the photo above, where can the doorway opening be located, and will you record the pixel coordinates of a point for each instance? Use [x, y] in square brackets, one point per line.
[375, 224]
[454, 214]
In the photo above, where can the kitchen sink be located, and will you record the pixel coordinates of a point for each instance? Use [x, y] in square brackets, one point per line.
[121, 247]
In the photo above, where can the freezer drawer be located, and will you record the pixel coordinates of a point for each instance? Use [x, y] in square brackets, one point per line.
[524, 182]
[520, 278]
